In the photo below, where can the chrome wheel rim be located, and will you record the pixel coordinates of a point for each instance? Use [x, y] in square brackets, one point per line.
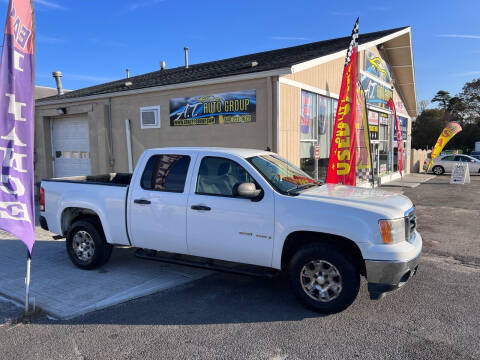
[437, 171]
[83, 245]
[321, 280]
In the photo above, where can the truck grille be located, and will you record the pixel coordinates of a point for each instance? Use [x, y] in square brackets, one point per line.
[410, 224]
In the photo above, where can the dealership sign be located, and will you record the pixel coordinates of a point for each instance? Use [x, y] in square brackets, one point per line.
[375, 65]
[376, 93]
[226, 108]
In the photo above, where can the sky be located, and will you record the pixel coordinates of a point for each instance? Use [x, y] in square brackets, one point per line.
[94, 41]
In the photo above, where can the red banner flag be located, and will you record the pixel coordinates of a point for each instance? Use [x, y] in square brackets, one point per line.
[341, 164]
[399, 136]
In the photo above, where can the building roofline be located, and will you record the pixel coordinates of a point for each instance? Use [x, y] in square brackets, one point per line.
[220, 80]
[300, 66]
[321, 60]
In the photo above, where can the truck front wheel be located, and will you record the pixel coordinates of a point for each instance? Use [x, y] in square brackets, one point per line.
[323, 278]
[86, 244]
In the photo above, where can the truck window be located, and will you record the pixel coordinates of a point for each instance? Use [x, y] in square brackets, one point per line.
[166, 173]
[219, 176]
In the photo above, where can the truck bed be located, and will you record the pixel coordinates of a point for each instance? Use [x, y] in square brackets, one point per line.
[104, 195]
[113, 179]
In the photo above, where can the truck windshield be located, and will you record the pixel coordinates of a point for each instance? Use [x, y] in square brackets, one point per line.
[286, 178]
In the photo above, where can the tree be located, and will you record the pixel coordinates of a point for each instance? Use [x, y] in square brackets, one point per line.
[469, 99]
[423, 105]
[427, 128]
[463, 108]
[442, 97]
[465, 139]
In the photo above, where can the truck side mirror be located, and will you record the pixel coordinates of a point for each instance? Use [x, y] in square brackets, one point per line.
[247, 190]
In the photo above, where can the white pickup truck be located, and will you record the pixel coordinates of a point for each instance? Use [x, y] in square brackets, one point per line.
[223, 208]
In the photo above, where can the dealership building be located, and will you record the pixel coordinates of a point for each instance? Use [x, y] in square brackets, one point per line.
[282, 99]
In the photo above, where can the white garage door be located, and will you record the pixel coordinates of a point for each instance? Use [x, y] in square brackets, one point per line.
[71, 148]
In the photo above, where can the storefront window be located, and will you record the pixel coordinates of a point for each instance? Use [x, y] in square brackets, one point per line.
[316, 124]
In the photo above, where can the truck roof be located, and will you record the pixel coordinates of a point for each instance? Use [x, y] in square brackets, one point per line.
[243, 153]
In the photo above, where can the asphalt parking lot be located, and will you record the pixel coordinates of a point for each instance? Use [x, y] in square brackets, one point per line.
[435, 316]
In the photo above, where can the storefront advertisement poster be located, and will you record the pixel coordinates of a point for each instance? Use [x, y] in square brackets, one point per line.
[322, 118]
[373, 124]
[225, 108]
[375, 65]
[373, 118]
[400, 107]
[307, 111]
[404, 125]
[383, 119]
[376, 93]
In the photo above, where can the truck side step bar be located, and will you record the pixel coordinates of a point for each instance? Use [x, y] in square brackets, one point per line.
[209, 264]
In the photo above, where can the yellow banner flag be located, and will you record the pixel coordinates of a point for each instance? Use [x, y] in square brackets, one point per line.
[451, 129]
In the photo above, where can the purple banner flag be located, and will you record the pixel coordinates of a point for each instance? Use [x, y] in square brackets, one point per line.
[17, 208]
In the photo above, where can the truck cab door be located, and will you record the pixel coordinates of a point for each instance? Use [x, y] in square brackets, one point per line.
[157, 204]
[221, 225]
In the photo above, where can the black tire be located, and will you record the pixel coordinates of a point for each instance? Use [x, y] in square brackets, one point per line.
[438, 170]
[90, 230]
[325, 255]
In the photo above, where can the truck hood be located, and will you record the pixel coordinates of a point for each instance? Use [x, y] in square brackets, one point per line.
[384, 203]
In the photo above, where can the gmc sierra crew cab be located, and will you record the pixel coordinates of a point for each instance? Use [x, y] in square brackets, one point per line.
[238, 210]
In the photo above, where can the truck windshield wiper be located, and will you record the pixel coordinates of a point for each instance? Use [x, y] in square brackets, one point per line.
[302, 187]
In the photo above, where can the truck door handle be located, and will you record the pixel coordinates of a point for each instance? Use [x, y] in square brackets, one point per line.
[200, 207]
[142, 201]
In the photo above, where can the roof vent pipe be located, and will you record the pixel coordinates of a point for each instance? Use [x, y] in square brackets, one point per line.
[57, 75]
[186, 57]
[163, 65]
[128, 72]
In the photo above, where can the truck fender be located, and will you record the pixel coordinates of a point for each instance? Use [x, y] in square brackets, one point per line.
[361, 235]
[88, 206]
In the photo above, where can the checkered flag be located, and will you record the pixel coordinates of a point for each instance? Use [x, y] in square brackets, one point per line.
[353, 42]
[364, 175]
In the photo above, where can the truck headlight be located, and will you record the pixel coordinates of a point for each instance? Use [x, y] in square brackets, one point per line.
[392, 231]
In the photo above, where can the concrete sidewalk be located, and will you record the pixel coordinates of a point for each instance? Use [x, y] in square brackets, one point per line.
[409, 180]
[64, 291]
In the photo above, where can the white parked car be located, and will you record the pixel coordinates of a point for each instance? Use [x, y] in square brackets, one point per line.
[242, 207]
[446, 163]
[475, 154]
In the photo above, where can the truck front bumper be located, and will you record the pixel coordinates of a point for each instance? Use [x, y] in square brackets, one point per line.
[388, 275]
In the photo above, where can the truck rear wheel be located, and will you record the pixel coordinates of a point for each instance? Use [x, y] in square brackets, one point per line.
[86, 244]
[323, 278]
